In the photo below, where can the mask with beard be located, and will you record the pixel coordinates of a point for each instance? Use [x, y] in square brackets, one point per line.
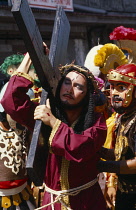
[117, 104]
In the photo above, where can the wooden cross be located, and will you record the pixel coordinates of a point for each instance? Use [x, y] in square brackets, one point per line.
[47, 71]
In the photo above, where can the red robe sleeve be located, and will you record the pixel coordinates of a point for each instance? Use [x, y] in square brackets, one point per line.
[79, 147]
[17, 103]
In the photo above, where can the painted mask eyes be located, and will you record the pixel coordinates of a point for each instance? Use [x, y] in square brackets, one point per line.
[122, 87]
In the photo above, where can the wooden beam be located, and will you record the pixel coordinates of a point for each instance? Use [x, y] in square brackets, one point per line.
[34, 44]
[47, 70]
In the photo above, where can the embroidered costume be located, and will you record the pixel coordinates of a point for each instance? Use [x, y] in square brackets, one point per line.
[14, 190]
[124, 150]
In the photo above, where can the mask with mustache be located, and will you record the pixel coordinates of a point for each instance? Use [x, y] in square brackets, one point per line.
[117, 104]
[119, 108]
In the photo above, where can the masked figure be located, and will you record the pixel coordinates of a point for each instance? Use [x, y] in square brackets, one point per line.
[123, 100]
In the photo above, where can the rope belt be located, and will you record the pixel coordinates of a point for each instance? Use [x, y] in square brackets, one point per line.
[62, 193]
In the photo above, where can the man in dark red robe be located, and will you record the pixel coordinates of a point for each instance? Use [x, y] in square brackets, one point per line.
[77, 135]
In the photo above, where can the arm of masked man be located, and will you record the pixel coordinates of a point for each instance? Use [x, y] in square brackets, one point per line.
[107, 154]
[119, 167]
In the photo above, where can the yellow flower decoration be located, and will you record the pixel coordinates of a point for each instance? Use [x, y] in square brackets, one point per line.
[109, 57]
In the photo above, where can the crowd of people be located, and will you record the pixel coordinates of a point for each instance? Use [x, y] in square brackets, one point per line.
[91, 136]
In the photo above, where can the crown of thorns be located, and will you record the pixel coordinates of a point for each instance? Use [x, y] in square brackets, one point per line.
[86, 72]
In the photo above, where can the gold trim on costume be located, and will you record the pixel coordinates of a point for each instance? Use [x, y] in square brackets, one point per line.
[25, 195]
[22, 74]
[121, 145]
[16, 199]
[64, 165]
[64, 176]
[37, 90]
[64, 181]
[36, 100]
[112, 181]
[53, 132]
[113, 75]
[6, 202]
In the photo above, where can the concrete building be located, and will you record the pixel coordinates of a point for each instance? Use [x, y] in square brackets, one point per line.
[91, 23]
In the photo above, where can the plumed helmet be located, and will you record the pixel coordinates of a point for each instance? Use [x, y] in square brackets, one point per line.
[125, 40]
[127, 74]
[89, 61]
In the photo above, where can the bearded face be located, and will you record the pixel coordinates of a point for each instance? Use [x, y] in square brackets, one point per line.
[117, 104]
[73, 90]
[118, 91]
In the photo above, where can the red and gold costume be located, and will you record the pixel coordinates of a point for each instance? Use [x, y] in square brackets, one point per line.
[123, 99]
[72, 158]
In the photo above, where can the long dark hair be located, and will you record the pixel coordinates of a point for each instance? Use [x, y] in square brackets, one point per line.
[86, 118]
